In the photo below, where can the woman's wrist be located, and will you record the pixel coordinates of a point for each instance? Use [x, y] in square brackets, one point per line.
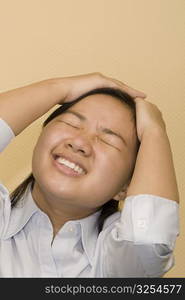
[57, 89]
[155, 132]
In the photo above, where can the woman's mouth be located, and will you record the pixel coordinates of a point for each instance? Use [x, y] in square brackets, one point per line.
[68, 167]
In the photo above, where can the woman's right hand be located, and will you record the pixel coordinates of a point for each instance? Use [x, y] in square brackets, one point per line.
[75, 86]
[22, 106]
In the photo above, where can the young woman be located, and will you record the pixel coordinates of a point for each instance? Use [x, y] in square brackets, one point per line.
[104, 144]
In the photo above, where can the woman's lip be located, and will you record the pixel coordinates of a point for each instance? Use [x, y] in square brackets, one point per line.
[66, 170]
[70, 160]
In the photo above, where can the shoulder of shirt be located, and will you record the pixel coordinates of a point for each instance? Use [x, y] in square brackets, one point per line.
[14, 219]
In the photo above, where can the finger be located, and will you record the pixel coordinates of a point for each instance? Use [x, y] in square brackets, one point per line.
[139, 99]
[135, 93]
[129, 90]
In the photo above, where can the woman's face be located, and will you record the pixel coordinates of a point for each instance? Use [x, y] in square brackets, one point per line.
[85, 156]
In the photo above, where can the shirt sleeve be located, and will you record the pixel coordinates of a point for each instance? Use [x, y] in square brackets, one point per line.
[5, 208]
[149, 219]
[6, 134]
[141, 242]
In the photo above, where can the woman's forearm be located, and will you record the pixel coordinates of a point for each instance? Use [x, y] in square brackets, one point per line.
[22, 106]
[154, 170]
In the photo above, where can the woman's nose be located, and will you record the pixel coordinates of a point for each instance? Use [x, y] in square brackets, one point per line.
[80, 144]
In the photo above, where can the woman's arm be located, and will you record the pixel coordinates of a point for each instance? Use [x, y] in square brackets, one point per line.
[154, 170]
[22, 106]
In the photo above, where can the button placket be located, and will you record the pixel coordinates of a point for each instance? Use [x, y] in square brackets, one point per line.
[45, 253]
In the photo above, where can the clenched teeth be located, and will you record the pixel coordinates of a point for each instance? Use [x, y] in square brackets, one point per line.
[71, 165]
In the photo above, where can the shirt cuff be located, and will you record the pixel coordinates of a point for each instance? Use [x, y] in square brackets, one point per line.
[6, 134]
[149, 219]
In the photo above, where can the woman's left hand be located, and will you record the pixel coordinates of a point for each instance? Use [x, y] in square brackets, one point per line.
[148, 117]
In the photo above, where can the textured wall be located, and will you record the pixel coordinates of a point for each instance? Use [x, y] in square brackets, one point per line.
[139, 42]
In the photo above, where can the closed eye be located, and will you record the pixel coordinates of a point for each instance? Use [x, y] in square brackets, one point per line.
[105, 142]
[70, 124]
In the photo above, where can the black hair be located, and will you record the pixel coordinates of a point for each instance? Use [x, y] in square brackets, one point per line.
[112, 205]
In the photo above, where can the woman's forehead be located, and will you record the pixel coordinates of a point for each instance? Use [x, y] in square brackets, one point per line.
[102, 111]
[102, 105]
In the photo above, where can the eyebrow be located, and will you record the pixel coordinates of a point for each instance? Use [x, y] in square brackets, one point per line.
[81, 117]
[105, 130]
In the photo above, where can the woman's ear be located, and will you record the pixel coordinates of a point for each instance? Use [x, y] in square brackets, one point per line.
[122, 194]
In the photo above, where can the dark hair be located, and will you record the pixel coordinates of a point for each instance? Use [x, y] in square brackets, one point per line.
[112, 205]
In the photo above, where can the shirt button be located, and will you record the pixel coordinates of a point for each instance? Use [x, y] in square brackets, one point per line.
[141, 223]
[71, 229]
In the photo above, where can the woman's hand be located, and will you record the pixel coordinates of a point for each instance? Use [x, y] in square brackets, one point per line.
[149, 118]
[154, 171]
[22, 106]
[75, 86]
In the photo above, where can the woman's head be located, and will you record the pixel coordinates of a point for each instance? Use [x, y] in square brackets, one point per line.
[86, 152]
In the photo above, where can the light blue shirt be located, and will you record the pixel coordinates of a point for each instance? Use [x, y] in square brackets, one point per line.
[136, 242]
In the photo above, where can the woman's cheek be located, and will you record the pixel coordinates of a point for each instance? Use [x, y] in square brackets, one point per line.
[51, 139]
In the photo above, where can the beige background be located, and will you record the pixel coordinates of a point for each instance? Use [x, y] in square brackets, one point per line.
[141, 42]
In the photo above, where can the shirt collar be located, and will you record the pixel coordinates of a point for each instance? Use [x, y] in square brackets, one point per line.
[20, 214]
[26, 207]
[90, 234]
[89, 226]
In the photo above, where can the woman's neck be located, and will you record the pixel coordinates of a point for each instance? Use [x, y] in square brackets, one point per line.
[58, 211]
